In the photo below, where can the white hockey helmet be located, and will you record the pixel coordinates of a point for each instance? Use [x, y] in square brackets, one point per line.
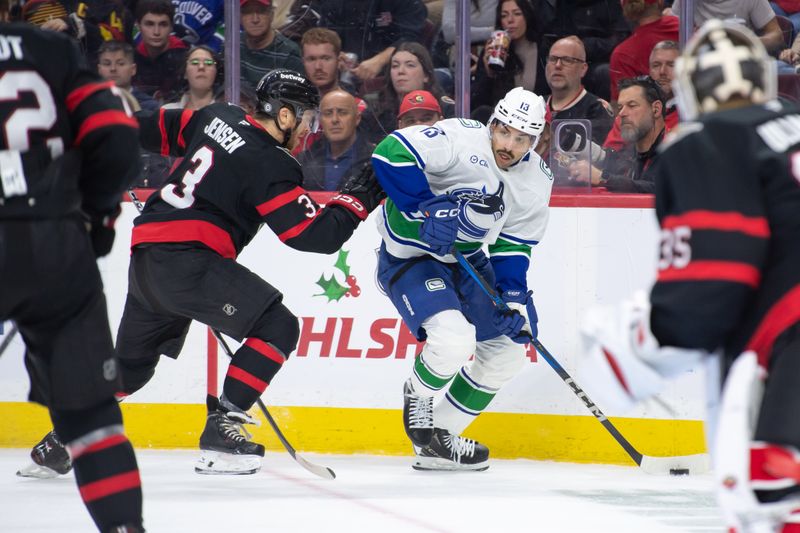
[522, 110]
[722, 61]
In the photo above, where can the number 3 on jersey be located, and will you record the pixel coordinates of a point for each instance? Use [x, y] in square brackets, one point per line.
[181, 195]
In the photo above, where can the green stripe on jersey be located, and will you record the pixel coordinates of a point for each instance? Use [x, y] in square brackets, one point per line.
[425, 375]
[502, 246]
[394, 151]
[463, 392]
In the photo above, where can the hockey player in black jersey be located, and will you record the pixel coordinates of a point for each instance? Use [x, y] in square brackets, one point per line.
[65, 160]
[728, 201]
[236, 174]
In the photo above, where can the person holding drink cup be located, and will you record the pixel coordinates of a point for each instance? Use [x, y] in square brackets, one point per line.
[510, 57]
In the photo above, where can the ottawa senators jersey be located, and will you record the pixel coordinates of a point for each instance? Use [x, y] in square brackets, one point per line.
[728, 200]
[67, 142]
[233, 177]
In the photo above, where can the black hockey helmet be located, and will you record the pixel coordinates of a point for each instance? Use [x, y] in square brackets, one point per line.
[721, 62]
[284, 87]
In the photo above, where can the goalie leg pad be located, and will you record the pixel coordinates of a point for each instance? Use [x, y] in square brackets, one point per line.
[754, 480]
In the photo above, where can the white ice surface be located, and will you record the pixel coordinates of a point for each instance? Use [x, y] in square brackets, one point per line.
[375, 495]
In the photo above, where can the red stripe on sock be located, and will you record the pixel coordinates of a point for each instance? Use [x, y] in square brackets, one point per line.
[107, 442]
[247, 378]
[264, 349]
[110, 486]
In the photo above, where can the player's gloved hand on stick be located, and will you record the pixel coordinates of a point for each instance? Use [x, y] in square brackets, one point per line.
[520, 323]
[361, 194]
[440, 227]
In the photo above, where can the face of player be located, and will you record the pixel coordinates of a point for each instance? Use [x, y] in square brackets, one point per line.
[512, 20]
[256, 19]
[636, 114]
[419, 117]
[561, 76]
[339, 117]
[662, 69]
[509, 145]
[321, 64]
[407, 73]
[201, 70]
[116, 67]
[155, 30]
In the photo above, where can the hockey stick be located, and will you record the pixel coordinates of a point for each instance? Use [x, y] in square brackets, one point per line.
[9, 337]
[683, 464]
[321, 471]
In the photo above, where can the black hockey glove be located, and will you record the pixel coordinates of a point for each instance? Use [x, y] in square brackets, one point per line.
[102, 233]
[361, 194]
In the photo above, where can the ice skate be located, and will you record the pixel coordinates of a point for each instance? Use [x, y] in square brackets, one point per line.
[225, 445]
[417, 416]
[50, 459]
[451, 452]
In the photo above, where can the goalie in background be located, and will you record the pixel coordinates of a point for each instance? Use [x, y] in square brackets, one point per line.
[728, 201]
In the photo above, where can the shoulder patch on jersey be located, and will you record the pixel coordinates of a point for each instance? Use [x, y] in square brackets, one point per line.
[545, 169]
[469, 123]
[684, 129]
[447, 100]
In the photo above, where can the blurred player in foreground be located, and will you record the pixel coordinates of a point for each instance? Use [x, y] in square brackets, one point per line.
[728, 201]
[67, 154]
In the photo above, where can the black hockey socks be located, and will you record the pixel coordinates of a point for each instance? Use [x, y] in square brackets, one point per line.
[105, 465]
[254, 365]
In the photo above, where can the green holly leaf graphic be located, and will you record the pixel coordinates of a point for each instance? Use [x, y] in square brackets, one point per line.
[341, 263]
[331, 288]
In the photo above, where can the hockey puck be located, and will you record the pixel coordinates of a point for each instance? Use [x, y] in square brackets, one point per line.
[678, 471]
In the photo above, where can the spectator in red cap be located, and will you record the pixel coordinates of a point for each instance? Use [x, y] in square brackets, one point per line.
[263, 49]
[631, 57]
[419, 108]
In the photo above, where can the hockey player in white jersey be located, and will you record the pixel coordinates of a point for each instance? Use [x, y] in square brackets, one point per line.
[462, 184]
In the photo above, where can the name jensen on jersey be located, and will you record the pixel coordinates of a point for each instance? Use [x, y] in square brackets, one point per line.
[224, 135]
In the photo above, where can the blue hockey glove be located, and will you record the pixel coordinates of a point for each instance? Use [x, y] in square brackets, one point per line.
[440, 227]
[520, 324]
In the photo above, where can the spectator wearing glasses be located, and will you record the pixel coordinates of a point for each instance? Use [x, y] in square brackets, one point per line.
[419, 108]
[159, 56]
[522, 66]
[263, 49]
[662, 70]
[641, 115]
[631, 57]
[566, 67]
[342, 151]
[202, 73]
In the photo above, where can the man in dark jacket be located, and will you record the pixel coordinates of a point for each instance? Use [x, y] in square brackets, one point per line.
[341, 152]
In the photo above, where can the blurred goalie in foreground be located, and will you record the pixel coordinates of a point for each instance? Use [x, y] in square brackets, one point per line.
[728, 201]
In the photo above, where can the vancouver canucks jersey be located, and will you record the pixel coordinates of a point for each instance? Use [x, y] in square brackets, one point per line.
[505, 209]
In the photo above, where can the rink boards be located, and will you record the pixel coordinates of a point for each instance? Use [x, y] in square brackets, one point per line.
[340, 392]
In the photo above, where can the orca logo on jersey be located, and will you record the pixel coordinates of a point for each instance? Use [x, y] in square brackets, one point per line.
[479, 210]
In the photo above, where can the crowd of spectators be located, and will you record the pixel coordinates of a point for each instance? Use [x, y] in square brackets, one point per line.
[603, 66]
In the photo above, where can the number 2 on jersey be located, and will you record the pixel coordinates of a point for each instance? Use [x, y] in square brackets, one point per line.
[181, 195]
